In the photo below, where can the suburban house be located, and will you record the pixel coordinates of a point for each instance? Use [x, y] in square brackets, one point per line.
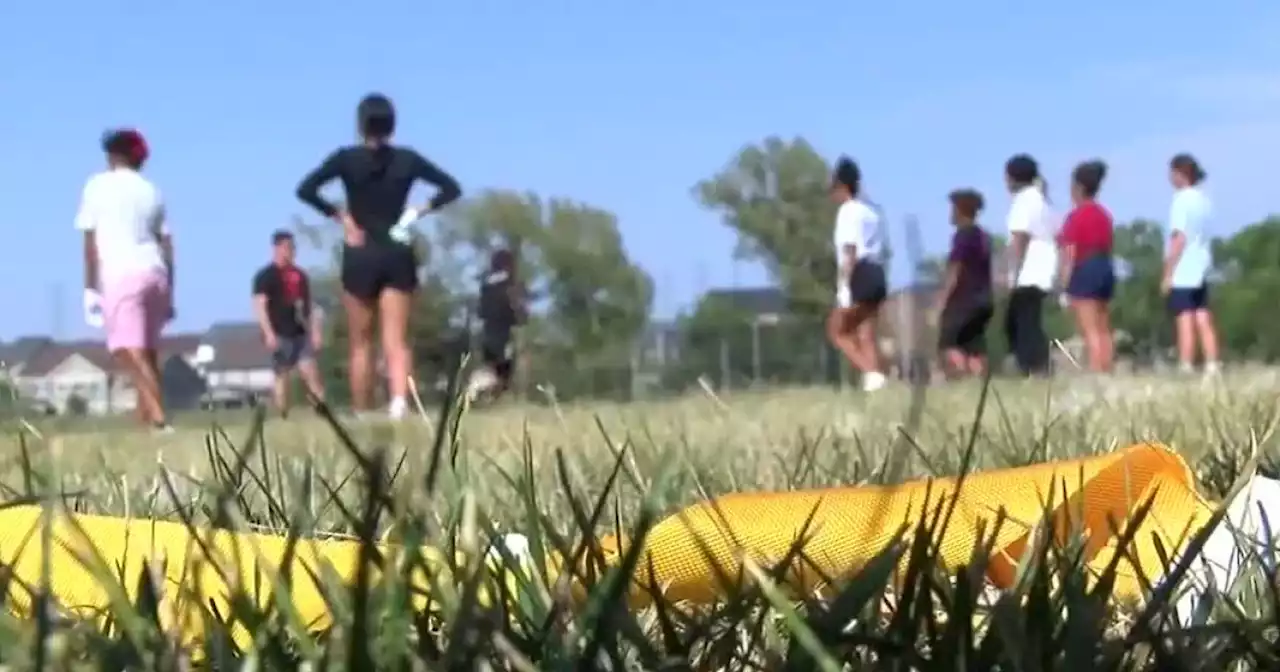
[226, 365]
[236, 358]
[82, 377]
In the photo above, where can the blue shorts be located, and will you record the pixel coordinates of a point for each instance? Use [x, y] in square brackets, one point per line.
[290, 351]
[1093, 279]
[1185, 299]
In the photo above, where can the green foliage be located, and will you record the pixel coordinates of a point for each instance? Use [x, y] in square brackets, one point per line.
[775, 197]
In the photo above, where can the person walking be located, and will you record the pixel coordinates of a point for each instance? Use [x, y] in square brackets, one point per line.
[502, 309]
[1033, 262]
[1188, 259]
[289, 323]
[379, 267]
[861, 285]
[129, 266]
[1087, 271]
[966, 296]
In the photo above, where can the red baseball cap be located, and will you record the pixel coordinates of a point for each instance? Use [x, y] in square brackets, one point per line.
[126, 142]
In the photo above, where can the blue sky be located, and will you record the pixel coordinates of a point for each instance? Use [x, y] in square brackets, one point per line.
[623, 105]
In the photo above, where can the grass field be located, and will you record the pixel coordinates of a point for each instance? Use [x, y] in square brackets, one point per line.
[523, 467]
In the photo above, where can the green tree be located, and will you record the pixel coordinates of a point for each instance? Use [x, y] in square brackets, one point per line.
[1244, 300]
[729, 346]
[591, 301]
[775, 197]
[1138, 308]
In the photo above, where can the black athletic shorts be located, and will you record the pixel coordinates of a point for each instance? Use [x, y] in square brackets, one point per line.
[497, 351]
[867, 283]
[375, 266]
[964, 327]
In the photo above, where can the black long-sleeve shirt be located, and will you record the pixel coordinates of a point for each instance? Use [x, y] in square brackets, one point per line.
[377, 182]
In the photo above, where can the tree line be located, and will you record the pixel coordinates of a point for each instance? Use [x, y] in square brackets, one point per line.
[591, 302]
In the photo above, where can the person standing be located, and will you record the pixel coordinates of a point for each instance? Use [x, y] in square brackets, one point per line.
[1087, 271]
[966, 295]
[129, 266]
[290, 326]
[379, 267]
[1034, 263]
[1185, 282]
[861, 284]
[502, 309]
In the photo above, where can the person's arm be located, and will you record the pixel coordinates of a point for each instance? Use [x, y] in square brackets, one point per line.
[87, 224]
[1177, 241]
[951, 275]
[848, 234]
[1067, 245]
[261, 290]
[1019, 236]
[309, 189]
[315, 316]
[447, 189]
[516, 294]
[164, 238]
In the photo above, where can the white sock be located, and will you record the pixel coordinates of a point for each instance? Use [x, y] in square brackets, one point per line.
[873, 380]
[1186, 367]
[397, 408]
[1212, 368]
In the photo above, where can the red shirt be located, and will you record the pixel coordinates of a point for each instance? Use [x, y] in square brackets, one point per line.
[1089, 229]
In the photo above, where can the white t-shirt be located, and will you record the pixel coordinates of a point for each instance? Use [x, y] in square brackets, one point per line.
[125, 211]
[1030, 213]
[858, 224]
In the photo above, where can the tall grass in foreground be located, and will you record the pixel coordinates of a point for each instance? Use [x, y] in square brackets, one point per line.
[495, 615]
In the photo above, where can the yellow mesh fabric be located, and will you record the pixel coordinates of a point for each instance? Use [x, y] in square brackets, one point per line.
[849, 526]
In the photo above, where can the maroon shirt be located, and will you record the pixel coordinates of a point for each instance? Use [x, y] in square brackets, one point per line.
[1089, 229]
[971, 251]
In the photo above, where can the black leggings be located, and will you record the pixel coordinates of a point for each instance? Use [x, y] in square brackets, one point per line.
[1024, 329]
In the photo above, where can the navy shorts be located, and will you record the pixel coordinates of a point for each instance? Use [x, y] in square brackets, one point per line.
[963, 326]
[868, 283]
[1184, 299]
[1093, 279]
[290, 350]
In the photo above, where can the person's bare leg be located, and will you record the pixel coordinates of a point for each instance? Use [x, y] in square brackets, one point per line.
[360, 353]
[1185, 325]
[1208, 335]
[1106, 340]
[280, 391]
[309, 372]
[1086, 312]
[865, 320]
[954, 358]
[977, 365]
[147, 385]
[842, 337]
[393, 317]
[128, 366]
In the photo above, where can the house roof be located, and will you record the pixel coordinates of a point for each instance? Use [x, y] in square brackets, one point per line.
[53, 354]
[754, 300]
[237, 346]
[16, 354]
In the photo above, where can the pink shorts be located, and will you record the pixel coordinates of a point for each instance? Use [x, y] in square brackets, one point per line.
[135, 308]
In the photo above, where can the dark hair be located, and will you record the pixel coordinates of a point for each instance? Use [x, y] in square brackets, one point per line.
[1022, 170]
[1187, 166]
[847, 174]
[967, 202]
[502, 260]
[126, 145]
[1089, 176]
[281, 236]
[376, 116]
